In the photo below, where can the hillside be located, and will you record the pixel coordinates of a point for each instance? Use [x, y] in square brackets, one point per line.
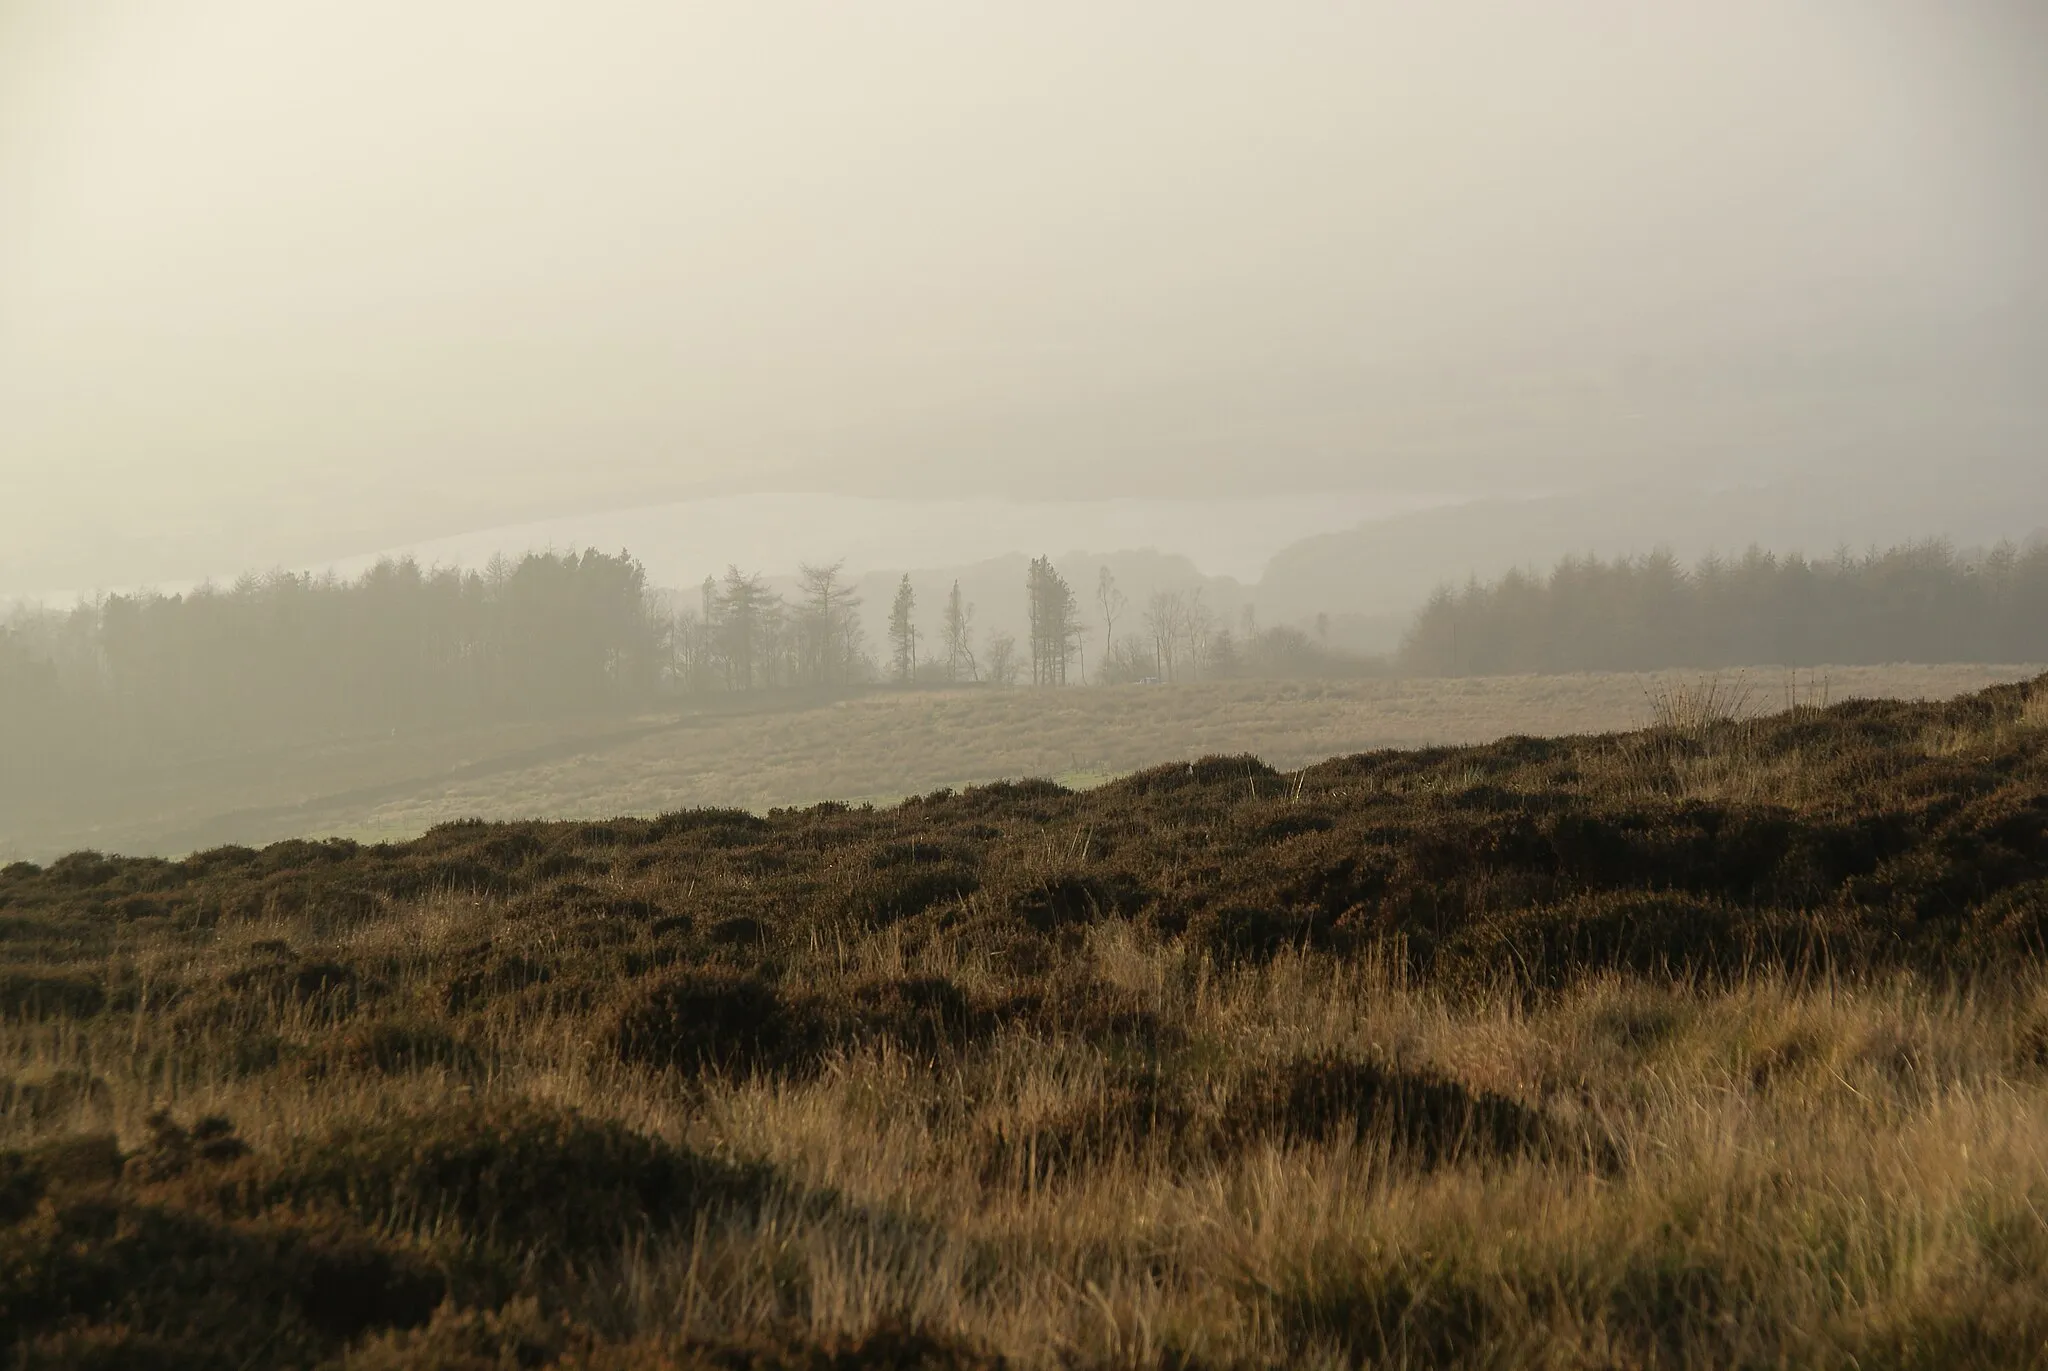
[754, 751]
[1715, 1043]
[1389, 567]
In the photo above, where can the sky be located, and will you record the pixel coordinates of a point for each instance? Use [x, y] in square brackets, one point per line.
[680, 544]
[288, 281]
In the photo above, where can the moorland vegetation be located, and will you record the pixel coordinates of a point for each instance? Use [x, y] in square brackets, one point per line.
[1722, 1042]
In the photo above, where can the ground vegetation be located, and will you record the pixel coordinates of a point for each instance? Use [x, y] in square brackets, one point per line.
[1723, 1041]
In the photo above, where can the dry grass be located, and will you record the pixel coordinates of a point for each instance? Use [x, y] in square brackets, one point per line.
[1820, 1175]
[1700, 706]
[1571, 1053]
[2034, 714]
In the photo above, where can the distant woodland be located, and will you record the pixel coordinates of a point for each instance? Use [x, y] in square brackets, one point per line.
[295, 659]
[1922, 602]
[292, 658]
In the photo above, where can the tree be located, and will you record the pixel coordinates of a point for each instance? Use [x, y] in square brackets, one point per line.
[1055, 629]
[1197, 626]
[1110, 600]
[1003, 666]
[903, 631]
[828, 626]
[1163, 613]
[1128, 660]
[958, 637]
[747, 612]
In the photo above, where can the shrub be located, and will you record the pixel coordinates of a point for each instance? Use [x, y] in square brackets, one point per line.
[389, 1047]
[99, 1275]
[35, 994]
[1429, 1118]
[710, 1019]
[512, 1174]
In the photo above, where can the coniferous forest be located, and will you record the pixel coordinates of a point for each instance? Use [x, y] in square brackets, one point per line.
[1922, 602]
[297, 659]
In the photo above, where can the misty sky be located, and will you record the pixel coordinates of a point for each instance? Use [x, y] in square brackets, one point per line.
[282, 281]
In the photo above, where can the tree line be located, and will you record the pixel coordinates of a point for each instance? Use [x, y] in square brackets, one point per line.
[293, 658]
[296, 657]
[1919, 602]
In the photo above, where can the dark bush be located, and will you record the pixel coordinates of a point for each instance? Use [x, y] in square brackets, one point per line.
[1427, 1117]
[1246, 770]
[707, 827]
[481, 973]
[172, 1149]
[102, 1276]
[711, 1019]
[1234, 935]
[515, 1175]
[27, 993]
[328, 985]
[904, 890]
[390, 1047]
[740, 931]
[1073, 897]
[924, 1015]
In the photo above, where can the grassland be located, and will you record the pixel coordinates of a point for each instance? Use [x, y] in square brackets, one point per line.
[1717, 1043]
[876, 747]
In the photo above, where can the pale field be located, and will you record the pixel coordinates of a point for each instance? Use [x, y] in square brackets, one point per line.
[881, 747]
[876, 747]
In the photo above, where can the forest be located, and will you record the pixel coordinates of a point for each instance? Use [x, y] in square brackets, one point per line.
[293, 659]
[1921, 602]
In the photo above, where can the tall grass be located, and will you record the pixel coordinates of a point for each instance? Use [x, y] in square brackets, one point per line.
[1552, 1052]
[1695, 707]
[2034, 713]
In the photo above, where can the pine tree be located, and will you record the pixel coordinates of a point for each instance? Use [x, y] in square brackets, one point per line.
[1055, 628]
[903, 631]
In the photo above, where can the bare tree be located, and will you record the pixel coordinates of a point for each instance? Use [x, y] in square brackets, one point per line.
[1003, 667]
[1128, 660]
[1197, 626]
[828, 626]
[959, 636]
[747, 614]
[1163, 612]
[1110, 600]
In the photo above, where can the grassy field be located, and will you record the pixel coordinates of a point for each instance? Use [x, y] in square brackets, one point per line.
[1720, 1043]
[876, 747]
[885, 746]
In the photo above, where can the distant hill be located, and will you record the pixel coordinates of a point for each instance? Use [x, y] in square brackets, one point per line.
[1382, 570]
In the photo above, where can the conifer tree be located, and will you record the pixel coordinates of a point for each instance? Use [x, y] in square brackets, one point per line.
[903, 631]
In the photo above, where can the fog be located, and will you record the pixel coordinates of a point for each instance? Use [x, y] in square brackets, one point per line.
[283, 283]
[410, 411]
